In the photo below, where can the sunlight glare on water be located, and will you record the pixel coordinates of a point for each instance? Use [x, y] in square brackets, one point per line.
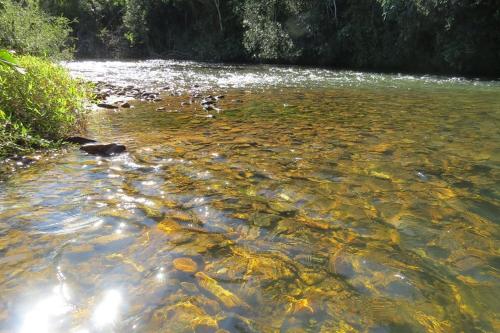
[184, 74]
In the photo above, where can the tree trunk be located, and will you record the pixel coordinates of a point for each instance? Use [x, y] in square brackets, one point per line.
[217, 6]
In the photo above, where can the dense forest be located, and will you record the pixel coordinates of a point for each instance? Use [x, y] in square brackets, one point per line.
[455, 36]
[447, 36]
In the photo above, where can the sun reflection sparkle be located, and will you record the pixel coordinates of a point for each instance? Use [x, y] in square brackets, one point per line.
[43, 313]
[106, 312]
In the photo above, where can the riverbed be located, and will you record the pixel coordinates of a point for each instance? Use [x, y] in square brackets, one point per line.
[312, 201]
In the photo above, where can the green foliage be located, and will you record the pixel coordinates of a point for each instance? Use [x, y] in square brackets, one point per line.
[265, 37]
[451, 36]
[38, 107]
[6, 59]
[24, 27]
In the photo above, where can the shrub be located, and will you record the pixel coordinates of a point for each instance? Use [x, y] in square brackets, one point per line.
[40, 107]
[29, 30]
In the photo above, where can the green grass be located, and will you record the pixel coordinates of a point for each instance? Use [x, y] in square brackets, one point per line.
[40, 107]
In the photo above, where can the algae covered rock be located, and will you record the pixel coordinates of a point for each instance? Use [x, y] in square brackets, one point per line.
[185, 317]
[226, 297]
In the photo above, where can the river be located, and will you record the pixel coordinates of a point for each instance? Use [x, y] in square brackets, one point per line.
[314, 201]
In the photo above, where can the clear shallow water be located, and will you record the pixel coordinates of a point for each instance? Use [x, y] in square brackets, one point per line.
[302, 207]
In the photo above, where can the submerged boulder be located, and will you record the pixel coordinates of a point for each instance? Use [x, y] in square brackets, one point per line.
[187, 265]
[104, 149]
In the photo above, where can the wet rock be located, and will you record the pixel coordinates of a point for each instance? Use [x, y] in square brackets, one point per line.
[237, 323]
[186, 265]
[199, 241]
[226, 297]
[296, 330]
[232, 268]
[22, 160]
[190, 287]
[208, 102]
[185, 317]
[283, 208]
[301, 307]
[104, 149]
[264, 220]
[315, 223]
[270, 268]
[107, 106]
[209, 305]
[312, 277]
[210, 108]
[125, 105]
[79, 140]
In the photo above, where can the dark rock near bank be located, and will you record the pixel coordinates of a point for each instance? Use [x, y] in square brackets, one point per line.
[104, 149]
[22, 160]
[79, 140]
[107, 106]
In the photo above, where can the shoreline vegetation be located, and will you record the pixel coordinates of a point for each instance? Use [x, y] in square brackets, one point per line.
[41, 104]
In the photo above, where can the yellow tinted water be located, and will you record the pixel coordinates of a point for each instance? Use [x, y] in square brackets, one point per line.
[294, 210]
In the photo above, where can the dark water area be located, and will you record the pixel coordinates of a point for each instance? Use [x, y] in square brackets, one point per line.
[315, 201]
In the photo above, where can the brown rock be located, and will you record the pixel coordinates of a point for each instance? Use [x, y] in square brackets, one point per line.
[185, 265]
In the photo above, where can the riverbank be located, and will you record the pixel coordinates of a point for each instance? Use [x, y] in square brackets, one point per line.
[39, 105]
[22, 147]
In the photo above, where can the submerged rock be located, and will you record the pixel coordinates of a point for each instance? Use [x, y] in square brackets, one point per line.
[79, 140]
[185, 265]
[104, 149]
[236, 323]
[107, 106]
[226, 297]
[185, 317]
[264, 220]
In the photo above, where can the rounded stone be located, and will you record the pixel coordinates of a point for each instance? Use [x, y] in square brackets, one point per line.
[185, 265]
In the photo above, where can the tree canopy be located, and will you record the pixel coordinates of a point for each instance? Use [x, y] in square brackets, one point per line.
[449, 36]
